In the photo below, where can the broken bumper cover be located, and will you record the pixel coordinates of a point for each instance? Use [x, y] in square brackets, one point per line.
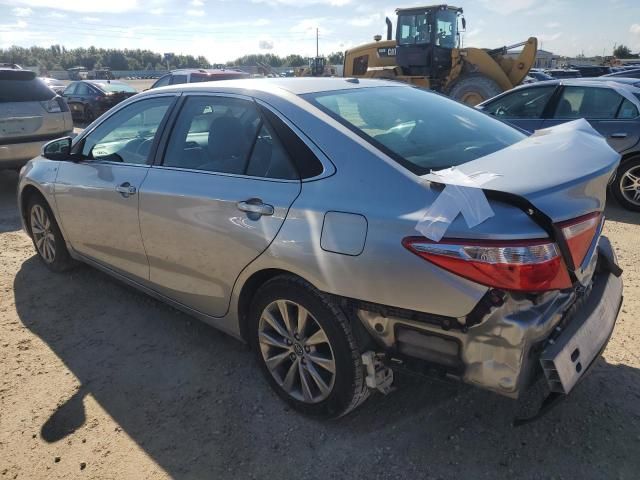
[567, 357]
[503, 353]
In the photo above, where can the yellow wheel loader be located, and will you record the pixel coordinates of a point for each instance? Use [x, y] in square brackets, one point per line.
[317, 68]
[427, 51]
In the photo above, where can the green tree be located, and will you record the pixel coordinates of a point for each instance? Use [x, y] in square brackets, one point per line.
[336, 58]
[622, 51]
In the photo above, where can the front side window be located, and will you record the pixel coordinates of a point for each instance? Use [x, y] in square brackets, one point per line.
[421, 130]
[589, 103]
[414, 29]
[71, 89]
[226, 135]
[523, 103]
[162, 81]
[127, 135]
[83, 89]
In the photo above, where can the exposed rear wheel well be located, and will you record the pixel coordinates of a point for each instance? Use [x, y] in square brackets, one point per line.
[249, 289]
[28, 193]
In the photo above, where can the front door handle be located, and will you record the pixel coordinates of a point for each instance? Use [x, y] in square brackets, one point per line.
[126, 189]
[618, 135]
[256, 207]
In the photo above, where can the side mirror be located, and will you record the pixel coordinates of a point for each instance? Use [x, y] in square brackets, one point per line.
[464, 24]
[59, 149]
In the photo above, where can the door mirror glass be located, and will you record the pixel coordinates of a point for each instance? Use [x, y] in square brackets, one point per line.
[59, 149]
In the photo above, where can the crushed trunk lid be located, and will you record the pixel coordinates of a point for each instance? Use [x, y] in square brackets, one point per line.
[563, 170]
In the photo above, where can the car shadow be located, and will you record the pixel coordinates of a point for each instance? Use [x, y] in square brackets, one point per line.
[617, 213]
[9, 216]
[194, 400]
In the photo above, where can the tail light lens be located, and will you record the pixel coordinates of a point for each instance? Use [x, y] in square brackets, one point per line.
[51, 106]
[530, 266]
[579, 234]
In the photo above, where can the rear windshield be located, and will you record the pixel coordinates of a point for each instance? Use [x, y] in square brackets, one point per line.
[115, 87]
[421, 130]
[33, 90]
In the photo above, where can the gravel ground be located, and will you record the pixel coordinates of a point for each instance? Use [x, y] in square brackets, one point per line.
[99, 381]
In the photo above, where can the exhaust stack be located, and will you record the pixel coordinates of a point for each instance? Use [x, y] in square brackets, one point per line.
[389, 28]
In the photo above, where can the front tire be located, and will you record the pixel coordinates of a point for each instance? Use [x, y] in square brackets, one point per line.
[47, 238]
[306, 348]
[474, 89]
[626, 187]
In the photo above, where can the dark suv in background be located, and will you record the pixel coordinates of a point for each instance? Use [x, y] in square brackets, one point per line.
[31, 114]
[192, 75]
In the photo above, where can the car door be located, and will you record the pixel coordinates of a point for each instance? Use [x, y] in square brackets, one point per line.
[97, 197]
[69, 96]
[523, 107]
[81, 97]
[215, 202]
[611, 114]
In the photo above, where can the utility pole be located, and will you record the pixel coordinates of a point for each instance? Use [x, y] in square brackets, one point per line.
[317, 45]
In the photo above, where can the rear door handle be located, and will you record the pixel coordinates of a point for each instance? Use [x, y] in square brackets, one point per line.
[126, 189]
[255, 206]
[619, 135]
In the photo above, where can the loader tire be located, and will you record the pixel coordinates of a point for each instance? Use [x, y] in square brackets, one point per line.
[474, 89]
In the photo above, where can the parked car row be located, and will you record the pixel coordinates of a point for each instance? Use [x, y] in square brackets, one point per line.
[611, 105]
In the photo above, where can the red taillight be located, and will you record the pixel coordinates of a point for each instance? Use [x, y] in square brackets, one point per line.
[579, 234]
[530, 266]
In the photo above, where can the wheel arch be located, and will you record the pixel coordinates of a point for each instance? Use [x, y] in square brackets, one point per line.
[249, 288]
[27, 193]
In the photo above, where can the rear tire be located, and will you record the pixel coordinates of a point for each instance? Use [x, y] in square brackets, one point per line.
[292, 360]
[474, 89]
[47, 238]
[626, 186]
[89, 115]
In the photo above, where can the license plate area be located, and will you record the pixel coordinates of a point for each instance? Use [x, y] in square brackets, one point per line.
[570, 355]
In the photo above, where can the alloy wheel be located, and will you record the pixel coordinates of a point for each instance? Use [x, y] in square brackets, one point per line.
[630, 185]
[297, 351]
[43, 234]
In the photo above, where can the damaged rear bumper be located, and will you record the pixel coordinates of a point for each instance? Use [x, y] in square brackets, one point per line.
[516, 341]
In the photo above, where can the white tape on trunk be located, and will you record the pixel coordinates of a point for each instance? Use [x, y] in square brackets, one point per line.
[461, 195]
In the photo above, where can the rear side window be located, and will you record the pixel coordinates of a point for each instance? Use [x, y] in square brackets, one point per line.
[421, 130]
[34, 90]
[227, 135]
[588, 102]
[627, 110]
[524, 103]
[177, 79]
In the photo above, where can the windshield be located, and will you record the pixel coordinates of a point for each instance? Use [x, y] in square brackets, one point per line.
[421, 130]
[446, 28]
[115, 87]
[414, 29]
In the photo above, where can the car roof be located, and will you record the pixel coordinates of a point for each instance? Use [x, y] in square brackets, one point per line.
[294, 85]
[209, 71]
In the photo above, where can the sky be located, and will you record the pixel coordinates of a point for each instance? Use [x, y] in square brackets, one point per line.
[223, 30]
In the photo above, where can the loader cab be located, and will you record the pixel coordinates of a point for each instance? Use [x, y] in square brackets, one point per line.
[425, 37]
[316, 66]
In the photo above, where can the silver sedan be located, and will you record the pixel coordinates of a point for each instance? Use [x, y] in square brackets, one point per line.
[302, 217]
